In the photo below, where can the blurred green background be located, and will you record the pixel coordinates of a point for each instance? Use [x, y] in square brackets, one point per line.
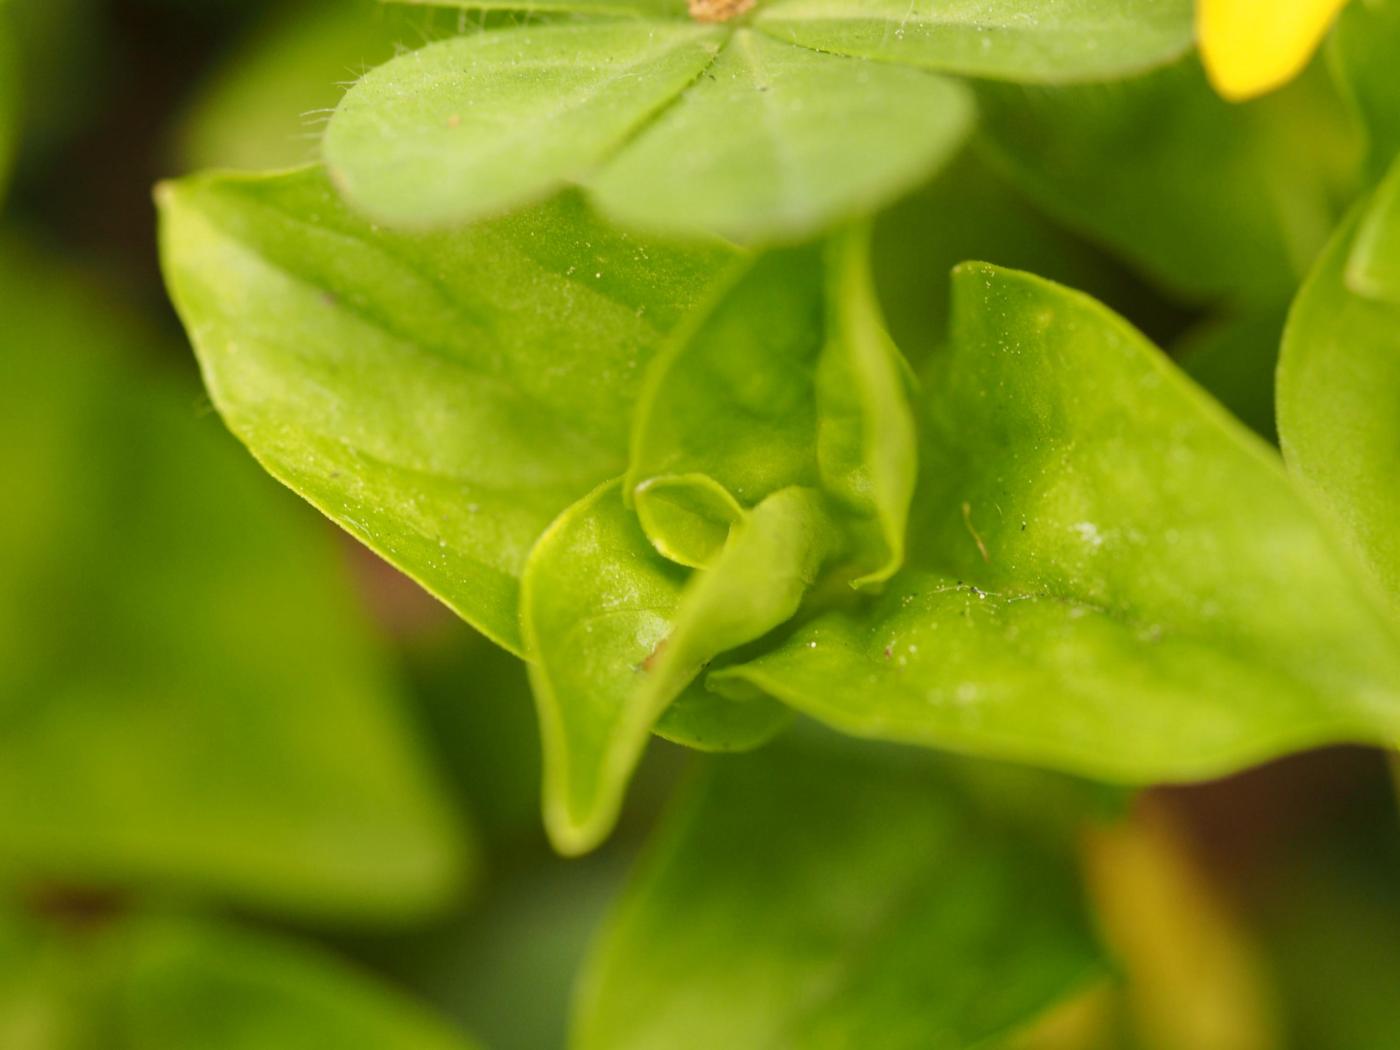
[258, 791]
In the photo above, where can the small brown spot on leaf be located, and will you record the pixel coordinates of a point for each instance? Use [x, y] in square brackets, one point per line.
[718, 10]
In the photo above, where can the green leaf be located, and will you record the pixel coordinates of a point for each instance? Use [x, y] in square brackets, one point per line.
[477, 124]
[771, 131]
[867, 443]
[776, 141]
[265, 103]
[1019, 40]
[830, 896]
[788, 379]
[1338, 378]
[165, 982]
[1373, 267]
[1235, 357]
[9, 100]
[732, 397]
[1113, 578]
[442, 397]
[1122, 163]
[615, 634]
[184, 983]
[1363, 48]
[190, 697]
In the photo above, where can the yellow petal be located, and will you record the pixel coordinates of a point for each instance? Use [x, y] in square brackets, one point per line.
[1253, 46]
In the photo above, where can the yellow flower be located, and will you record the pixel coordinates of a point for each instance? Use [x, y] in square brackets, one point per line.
[1253, 46]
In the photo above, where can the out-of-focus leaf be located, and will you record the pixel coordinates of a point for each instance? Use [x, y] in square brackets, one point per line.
[1363, 50]
[969, 211]
[1251, 47]
[1373, 265]
[477, 124]
[1338, 383]
[838, 895]
[442, 397]
[185, 984]
[265, 105]
[615, 634]
[679, 125]
[1090, 528]
[189, 697]
[162, 983]
[9, 98]
[1329, 917]
[764, 147]
[1212, 200]
[1040, 41]
[1235, 357]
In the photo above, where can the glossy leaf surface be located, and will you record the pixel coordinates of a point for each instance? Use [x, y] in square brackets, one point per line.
[412, 387]
[1112, 576]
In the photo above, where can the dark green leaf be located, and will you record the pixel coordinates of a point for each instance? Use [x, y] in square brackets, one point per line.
[824, 896]
[1125, 163]
[190, 699]
[1364, 45]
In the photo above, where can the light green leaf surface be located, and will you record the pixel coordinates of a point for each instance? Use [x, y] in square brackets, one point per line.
[839, 896]
[1047, 41]
[442, 397]
[812, 112]
[788, 379]
[766, 145]
[733, 396]
[189, 696]
[1123, 163]
[474, 125]
[1338, 384]
[1363, 49]
[1115, 578]
[1373, 267]
[615, 634]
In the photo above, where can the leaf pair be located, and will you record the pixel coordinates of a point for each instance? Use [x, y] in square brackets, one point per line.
[773, 437]
[804, 113]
